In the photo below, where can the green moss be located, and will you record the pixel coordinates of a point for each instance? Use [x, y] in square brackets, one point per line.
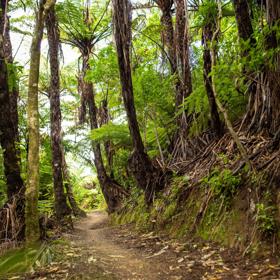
[169, 210]
[223, 183]
[226, 218]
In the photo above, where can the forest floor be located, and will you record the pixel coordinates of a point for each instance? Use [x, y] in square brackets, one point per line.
[97, 250]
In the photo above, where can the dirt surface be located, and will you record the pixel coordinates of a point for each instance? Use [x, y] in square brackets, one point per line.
[97, 250]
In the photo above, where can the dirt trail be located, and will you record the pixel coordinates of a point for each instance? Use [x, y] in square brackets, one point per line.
[114, 261]
[97, 250]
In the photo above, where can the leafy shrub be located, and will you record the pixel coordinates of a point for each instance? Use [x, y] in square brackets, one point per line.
[26, 259]
[222, 183]
[265, 219]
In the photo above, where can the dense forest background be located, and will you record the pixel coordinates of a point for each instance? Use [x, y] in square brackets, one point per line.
[165, 112]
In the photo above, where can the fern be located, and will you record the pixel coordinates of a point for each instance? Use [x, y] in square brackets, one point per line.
[118, 134]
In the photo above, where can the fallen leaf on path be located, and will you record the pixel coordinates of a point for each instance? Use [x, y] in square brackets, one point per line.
[116, 256]
[91, 259]
[163, 250]
[207, 256]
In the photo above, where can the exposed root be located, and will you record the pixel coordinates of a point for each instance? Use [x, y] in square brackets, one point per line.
[11, 221]
[222, 154]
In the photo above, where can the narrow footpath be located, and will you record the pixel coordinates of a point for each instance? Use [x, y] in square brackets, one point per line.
[99, 251]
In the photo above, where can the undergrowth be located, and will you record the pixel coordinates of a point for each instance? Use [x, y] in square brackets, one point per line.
[27, 259]
[228, 217]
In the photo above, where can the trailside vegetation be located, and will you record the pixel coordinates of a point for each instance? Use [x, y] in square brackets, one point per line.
[165, 113]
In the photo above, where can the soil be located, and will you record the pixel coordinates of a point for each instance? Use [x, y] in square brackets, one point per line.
[97, 250]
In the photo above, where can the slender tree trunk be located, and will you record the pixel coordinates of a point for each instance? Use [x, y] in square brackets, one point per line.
[104, 118]
[228, 123]
[15, 187]
[246, 34]
[77, 211]
[207, 34]
[264, 105]
[146, 175]
[113, 193]
[168, 36]
[8, 134]
[270, 119]
[32, 230]
[182, 52]
[61, 207]
[177, 43]
[14, 90]
[243, 21]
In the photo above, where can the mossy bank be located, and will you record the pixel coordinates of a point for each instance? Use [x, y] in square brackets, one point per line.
[238, 211]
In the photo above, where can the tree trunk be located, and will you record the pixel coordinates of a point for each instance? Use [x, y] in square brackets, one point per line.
[213, 53]
[243, 20]
[168, 36]
[177, 42]
[77, 211]
[104, 118]
[182, 52]
[207, 34]
[113, 193]
[32, 230]
[264, 104]
[146, 175]
[271, 119]
[15, 187]
[246, 34]
[14, 90]
[61, 207]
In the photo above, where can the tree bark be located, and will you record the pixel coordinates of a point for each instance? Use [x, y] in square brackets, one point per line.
[77, 211]
[15, 187]
[146, 175]
[264, 105]
[61, 207]
[213, 54]
[177, 44]
[112, 191]
[104, 118]
[8, 134]
[32, 230]
[243, 20]
[270, 118]
[168, 36]
[246, 34]
[207, 35]
[14, 90]
[182, 52]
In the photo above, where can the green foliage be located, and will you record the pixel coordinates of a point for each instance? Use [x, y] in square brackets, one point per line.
[265, 218]
[14, 71]
[120, 170]
[261, 55]
[46, 179]
[136, 213]
[118, 134]
[89, 199]
[26, 259]
[46, 206]
[222, 183]
[170, 210]
[154, 91]
[206, 13]
[197, 106]
[76, 27]
[86, 191]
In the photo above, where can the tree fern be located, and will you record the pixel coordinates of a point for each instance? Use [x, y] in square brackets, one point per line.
[118, 134]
